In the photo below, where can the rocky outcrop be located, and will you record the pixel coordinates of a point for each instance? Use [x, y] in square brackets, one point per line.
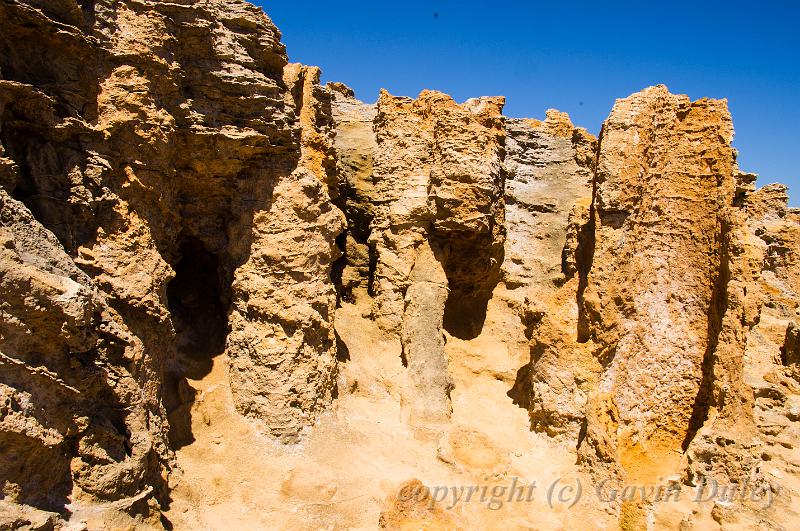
[654, 298]
[312, 106]
[175, 197]
[670, 260]
[178, 171]
[439, 176]
[548, 193]
[73, 412]
[759, 451]
[550, 169]
[422, 338]
[438, 183]
[282, 345]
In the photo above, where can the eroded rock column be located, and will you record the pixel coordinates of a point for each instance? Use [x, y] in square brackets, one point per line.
[439, 185]
[423, 337]
[663, 185]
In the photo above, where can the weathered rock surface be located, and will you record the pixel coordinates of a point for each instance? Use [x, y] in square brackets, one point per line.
[548, 193]
[205, 252]
[550, 169]
[653, 301]
[438, 187]
[674, 276]
[355, 146]
[166, 179]
[72, 411]
[439, 176]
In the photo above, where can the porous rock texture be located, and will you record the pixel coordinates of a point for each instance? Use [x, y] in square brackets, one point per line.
[158, 154]
[233, 296]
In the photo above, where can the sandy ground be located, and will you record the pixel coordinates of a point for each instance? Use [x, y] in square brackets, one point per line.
[350, 465]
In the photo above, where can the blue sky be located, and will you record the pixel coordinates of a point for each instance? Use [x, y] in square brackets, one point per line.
[575, 56]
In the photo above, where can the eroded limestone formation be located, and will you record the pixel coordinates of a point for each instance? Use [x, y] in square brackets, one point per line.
[173, 166]
[174, 192]
[651, 302]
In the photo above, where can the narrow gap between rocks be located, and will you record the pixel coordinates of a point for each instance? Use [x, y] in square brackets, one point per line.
[337, 270]
[198, 305]
[356, 267]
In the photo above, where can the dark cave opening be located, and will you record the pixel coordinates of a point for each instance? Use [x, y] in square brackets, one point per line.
[198, 304]
[472, 267]
[25, 191]
[465, 314]
[14, 142]
[337, 270]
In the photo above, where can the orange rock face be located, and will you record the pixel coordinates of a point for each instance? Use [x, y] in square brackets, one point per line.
[235, 297]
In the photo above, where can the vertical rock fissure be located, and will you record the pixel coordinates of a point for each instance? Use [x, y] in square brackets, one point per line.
[338, 267]
[584, 254]
[198, 303]
[790, 351]
[356, 266]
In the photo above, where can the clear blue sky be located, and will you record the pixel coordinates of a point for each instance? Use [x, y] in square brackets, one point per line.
[573, 56]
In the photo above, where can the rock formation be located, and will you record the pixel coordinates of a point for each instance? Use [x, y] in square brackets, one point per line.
[212, 264]
[651, 301]
[186, 187]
